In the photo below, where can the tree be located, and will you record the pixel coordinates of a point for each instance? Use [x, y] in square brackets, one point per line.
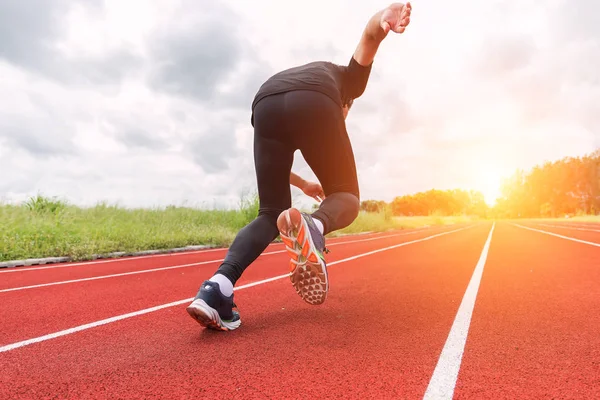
[372, 205]
[564, 187]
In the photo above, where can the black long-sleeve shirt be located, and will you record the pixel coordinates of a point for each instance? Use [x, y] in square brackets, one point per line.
[340, 83]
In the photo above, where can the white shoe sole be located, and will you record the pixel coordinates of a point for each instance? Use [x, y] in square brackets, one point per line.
[308, 272]
[208, 317]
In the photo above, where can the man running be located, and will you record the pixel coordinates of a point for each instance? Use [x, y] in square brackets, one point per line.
[303, 108]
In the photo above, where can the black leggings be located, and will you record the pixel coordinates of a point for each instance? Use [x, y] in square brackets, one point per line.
[314, 124]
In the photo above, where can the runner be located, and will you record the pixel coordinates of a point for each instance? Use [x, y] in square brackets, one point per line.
[302, 108]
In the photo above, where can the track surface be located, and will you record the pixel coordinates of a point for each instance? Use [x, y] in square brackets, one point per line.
[509, 307]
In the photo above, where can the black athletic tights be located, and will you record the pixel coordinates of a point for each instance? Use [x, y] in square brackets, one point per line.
[283, 123]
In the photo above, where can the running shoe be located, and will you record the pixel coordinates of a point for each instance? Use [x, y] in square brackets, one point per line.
[305, 245]
[214, 310]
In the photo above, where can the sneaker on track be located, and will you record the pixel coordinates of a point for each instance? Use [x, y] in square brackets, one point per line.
[305, 245]
[212, 309]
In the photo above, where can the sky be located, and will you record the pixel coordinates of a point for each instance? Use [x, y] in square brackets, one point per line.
[146, 103]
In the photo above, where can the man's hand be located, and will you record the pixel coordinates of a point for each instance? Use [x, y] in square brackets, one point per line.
[311, 189]
[396, 17]
[314, 190]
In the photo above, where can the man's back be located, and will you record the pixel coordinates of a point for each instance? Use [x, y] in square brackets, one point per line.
[321, 76]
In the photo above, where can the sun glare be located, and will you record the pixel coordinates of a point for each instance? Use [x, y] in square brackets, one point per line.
[491, 193]
[489, 183]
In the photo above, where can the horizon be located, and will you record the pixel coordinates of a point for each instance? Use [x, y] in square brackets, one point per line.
[491, 194]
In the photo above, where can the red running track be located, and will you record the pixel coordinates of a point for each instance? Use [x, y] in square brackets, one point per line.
[89, 301]
[380, 334]
[536, 330]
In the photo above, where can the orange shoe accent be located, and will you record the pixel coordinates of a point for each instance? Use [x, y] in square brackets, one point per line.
[292, 266]
[301, 235]
[289, 243]
[313, 258]
[305, 249]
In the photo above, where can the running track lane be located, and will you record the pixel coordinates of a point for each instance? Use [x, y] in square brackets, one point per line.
[535, 331]
[589, 228]
[23, 276]
[588, 236]
[378, 335]
[587, 225]
[78, 303]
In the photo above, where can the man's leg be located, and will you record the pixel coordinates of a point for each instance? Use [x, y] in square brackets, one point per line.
[328, 152]
[320, 133]
[273, 159]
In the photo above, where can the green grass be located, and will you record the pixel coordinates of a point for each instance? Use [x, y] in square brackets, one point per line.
[52, 228]
[43, 227]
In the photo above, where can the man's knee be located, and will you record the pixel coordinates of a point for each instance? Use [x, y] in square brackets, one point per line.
[338, 210]
[353, 206]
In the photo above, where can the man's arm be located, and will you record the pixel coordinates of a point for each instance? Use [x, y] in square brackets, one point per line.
[395, 17]
[297, 181]
[312, 189]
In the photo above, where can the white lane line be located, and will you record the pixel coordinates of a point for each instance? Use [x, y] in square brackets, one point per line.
[443, 381]
[180, 302]
[375, 238]
[338, 240]
[560, 236]
[145, 271]
[567, 223]
[106, 261]
[89, 326]
[570, 227]
[590, 225]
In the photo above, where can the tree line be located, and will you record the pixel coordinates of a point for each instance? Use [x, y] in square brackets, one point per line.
[569, 186]
[433, 202]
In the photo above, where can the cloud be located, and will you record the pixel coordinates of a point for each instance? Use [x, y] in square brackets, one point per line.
[41, 137]
[212, 148]
[32, 36]
[206, 58]
[512, 98]
[138, 138]
[155, 109]
[167, 133]
[576, 20]
[31, 121]
[554, 81]
[27, 31]
[317, 51]
[500, 56]
[110, 69]
[241, 84]
[193, 63]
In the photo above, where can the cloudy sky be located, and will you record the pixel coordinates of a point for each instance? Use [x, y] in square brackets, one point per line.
[147, 103]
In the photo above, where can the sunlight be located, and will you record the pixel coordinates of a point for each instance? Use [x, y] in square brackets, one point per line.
[491, 193]
[489, 183]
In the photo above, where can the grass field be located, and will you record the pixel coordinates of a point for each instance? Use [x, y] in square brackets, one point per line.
[47, 228]
[382, 221]
[44, 227]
